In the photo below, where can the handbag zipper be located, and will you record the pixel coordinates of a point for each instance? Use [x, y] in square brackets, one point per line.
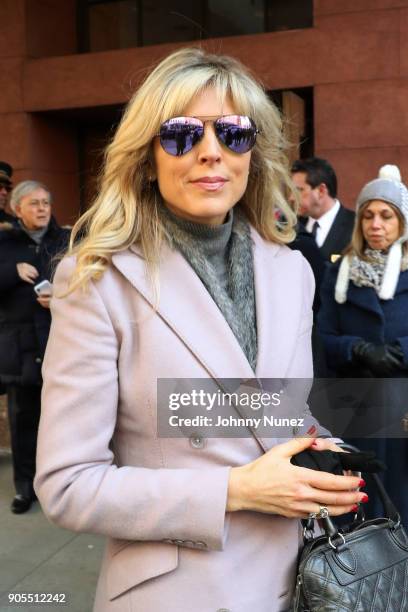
[299, 583]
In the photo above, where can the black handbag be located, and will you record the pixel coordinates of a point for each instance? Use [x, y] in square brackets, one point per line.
[360, 568]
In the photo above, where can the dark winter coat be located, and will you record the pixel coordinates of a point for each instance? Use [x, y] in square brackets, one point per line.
[374, 409]
[362, 316]
[24, 323]
[5, 217]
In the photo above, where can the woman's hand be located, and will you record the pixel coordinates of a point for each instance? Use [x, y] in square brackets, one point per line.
[271, 484]
[44, 300]
[326, 444]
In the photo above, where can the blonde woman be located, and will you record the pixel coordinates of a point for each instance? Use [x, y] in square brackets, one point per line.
[182, 272]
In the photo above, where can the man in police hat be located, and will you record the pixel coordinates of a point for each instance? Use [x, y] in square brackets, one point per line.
[6, 185]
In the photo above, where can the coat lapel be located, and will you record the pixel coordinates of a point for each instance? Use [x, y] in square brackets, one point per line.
[187, 307]
[339, 234]
[271, 283]
[365, 298]
[335, 233]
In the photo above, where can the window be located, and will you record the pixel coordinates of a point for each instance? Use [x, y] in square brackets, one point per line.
[113, 25]
[288, 15]
[118, 24]
[173, 21]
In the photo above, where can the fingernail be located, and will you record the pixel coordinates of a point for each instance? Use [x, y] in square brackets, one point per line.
[311, 430]
[315, 444]
[362, 483]
[354, 508]
[364, 499]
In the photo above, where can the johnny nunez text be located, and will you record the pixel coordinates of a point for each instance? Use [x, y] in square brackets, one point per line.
[231, 421]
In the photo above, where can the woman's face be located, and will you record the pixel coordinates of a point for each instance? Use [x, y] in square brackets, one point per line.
[205, 183]
[380, 225]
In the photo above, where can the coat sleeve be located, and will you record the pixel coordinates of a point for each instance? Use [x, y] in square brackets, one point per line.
[9, 277]
[403, 340]
[77, 482]
[338, 345]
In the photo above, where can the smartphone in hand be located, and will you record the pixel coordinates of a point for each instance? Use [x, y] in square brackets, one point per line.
[43, 288]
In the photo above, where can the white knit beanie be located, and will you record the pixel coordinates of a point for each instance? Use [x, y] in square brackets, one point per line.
[388, 188]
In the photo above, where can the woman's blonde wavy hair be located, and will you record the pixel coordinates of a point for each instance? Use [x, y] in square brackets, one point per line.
[126, 210]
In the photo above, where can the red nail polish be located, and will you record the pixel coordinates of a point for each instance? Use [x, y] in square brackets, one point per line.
[362, 483]
[311, 430]
[354, 508]
[364, 499]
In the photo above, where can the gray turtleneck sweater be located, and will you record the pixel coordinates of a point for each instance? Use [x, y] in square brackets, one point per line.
[212, 240]
[36, 235]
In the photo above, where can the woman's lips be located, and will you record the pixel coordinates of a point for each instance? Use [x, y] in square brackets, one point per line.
[210, 184]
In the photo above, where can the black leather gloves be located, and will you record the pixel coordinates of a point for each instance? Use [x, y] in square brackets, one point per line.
[335, 462]
[381, 359]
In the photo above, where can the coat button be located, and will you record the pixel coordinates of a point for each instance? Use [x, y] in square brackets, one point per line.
[38, 360]
[197, 441]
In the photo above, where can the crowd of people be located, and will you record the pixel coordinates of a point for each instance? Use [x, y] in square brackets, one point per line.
[361, 328]
[179, 269]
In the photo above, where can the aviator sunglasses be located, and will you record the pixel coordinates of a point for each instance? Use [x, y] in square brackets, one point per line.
[179, 134]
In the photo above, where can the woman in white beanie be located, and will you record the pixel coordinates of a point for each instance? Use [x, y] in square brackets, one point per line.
[363, 321]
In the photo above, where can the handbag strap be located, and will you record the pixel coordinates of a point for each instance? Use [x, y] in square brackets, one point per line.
[331, 530]
[390, 510]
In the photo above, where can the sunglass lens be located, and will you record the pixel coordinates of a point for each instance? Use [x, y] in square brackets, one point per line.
[179, 135]
[237, 132]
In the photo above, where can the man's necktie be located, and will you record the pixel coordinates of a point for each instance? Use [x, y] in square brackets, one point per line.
[315, 227]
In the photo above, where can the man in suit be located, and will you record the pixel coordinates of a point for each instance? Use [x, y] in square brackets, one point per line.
[323, 216]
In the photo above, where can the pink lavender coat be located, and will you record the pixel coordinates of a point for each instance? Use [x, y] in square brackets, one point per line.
[102, 468]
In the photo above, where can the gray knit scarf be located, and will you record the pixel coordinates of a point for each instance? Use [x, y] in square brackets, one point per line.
[370, 273]
[237, 300]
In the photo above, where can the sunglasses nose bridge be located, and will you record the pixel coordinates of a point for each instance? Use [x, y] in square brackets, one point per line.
[209, 144]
